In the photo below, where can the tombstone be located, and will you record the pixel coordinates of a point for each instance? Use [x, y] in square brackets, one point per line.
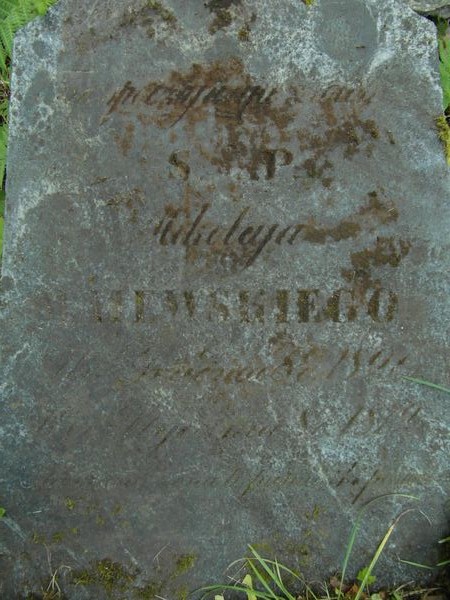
[226, 247]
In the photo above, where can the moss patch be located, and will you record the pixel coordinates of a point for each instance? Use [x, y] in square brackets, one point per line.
[184, 563]
[222, 20]
[164, 13]
[244, 33]
[38, 538]
[111, 576]
[58, 537]
[444, 135]
[150, 592]
[70, 504]
[182, 593]
[216, 5]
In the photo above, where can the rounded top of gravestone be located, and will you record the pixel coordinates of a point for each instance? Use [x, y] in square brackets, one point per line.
[327, 41]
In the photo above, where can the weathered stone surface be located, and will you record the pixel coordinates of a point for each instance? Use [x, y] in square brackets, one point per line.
[227, 244]
[441, 9]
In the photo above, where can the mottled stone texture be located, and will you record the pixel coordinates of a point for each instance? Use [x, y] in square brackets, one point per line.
[226, 245]
[431, 7]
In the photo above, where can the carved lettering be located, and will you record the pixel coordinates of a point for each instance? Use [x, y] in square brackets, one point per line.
[304, 363]
[232, 101]
[280, 306]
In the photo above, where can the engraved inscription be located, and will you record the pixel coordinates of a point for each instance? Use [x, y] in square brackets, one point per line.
[179, 99]
[243, 239]
[305, 363]
[260, 129]
[248, 307]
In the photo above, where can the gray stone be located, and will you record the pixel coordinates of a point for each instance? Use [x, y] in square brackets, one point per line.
[433, 8]
[226, 246]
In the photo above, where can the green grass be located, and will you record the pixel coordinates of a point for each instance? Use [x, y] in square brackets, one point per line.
[442, 122]
[268, 579]
[428, 384]
[444, 59]
[271, 580]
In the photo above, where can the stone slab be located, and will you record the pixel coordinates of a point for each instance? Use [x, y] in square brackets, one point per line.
[226, 245]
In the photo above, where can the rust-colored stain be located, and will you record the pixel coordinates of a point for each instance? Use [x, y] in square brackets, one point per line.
[222, 87]
[236, 241]
[154, 18]
[251, 121]
[387, 251]
[255, 126]
[378, 210]
[125, 141]
[337, 124]
[222, 20]
[320, 235]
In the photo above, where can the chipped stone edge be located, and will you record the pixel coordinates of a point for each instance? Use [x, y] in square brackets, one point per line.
[42, 29]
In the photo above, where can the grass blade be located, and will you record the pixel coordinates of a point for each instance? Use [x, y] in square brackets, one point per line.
[275, 576]
[261, 579]
[216, 589]
[356, 528]
[374, 561]
[417, 565]
[247, 581]
[263, 564]
[284, 568]
[296, 576]
[428, 384]
[280, 582]
[378, 553]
